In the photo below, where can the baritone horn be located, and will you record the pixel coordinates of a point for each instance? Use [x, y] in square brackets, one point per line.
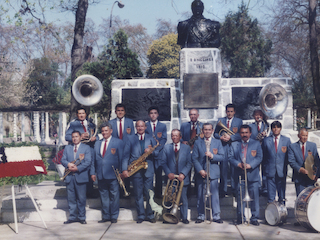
[87, 90]
[222, 129]
[171, 199]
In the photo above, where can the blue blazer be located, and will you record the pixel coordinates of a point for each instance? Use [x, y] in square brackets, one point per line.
[254, 129]
[295, 158]
[275, 162]
[199, 157]
[168, 161]
[102, 166]
[132, 151]
[160, 133]
[235, 127]
[128, 128]
[81, 175]
[254, 158]
[75, 125]
[185, 130]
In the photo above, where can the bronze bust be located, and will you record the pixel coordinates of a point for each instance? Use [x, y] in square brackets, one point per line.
[198, 32]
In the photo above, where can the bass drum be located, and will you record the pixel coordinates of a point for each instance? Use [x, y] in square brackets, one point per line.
[307, 208]
[276, 213]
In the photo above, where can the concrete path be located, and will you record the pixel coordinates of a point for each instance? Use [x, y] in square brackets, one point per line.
[130, 230]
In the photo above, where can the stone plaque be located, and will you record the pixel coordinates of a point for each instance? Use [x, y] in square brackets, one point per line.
[138, 101]
[201, 90]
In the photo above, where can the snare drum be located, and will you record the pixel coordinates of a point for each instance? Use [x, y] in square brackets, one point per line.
[275, 213]
[307, 208]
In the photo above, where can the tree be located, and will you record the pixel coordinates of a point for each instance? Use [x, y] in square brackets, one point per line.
[42, 82]
[115, 61]
[163, 57]
[243, 45]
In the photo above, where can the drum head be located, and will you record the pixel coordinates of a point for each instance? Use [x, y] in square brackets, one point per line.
[272, 214]
[314, 210]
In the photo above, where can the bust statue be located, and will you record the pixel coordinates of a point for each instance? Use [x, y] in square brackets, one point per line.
[197, 31]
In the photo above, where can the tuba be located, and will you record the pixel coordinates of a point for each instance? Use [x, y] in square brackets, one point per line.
[273, 99]
[171, 199]
[88, 91]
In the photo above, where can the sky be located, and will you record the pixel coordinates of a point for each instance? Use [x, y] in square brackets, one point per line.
[147, 12]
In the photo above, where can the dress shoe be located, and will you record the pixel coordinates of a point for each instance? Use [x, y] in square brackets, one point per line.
[218, 221]
[114, 221]
[255, 223]
[83, 222]
[104, 220]
[296, 224]
[185, 221]
[199, 220]
[153, 220]
[69, 221]
[139, 220]
[237, 222]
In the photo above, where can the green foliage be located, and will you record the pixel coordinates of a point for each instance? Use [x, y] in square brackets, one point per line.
[115, 61]
[42, 83]
[243, 45]
[24, 179]
[163, 57]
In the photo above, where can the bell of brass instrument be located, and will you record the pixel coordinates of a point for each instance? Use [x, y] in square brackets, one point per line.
[222, 129]
[207, 196]
[87, 90]
[171, 199]
[273, 100]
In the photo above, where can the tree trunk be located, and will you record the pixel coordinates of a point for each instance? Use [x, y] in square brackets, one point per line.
[77, 53]
[314, 49]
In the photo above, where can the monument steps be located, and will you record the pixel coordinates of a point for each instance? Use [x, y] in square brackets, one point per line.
[52, 202]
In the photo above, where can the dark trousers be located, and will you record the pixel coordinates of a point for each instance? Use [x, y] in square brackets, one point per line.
[158, 182]
[76, 199]
[110, 198]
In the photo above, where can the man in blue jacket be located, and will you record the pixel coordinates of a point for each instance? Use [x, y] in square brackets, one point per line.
[107, 155]
[142, 180]
[189, 130]
[275, 162]
[233, 123]
[209, 149]
[78, 178]
[159, 131]
[176, 160]
[246, 154]
[297, 154]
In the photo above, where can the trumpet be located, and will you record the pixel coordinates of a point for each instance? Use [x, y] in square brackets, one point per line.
[67, 172]
[116, 171]
[223, 129]
[172, 196]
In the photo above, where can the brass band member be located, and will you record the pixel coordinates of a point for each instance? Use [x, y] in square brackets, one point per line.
[176, 160]
[142, 181]
[107, 155]
[247, 153]
[77, 180]
[199, 157]
[190, 129]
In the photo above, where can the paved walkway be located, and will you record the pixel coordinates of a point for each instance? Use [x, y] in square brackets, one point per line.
[130, 230]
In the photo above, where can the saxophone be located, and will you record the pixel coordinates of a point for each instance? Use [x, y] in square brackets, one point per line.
[140, 163]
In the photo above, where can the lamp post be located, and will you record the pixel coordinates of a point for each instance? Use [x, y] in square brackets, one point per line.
[120, 5]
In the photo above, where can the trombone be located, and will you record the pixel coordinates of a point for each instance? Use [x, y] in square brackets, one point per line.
[207, 196]
[246, 198]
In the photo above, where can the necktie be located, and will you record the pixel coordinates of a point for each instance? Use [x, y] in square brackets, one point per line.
[120, 129]
[302, 151]
[228, 123]
[154, 127]
[84, 128]
[244, 147]
[141, 138]
[258, 126]
[105, 148]
[75, 149]
[276, 144]
[193, 126]
[176, 148]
